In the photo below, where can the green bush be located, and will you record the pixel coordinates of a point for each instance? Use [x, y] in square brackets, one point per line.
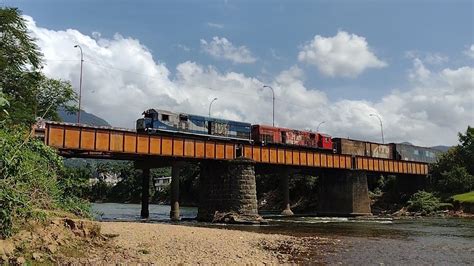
[424, 202]
[74, 181]
[77, 206]
[456, 179]
[29, 171]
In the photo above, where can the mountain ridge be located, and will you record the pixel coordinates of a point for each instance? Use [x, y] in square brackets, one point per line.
[86, 118]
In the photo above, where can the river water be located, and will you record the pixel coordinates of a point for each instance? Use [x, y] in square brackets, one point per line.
[433, 241]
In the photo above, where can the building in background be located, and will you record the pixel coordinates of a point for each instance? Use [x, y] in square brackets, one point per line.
[162, 182]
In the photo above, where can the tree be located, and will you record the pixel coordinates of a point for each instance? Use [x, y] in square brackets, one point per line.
[54, 94]
[28, 91]
[18, 52]
[454, 172]
[467, 149]
[20, 60]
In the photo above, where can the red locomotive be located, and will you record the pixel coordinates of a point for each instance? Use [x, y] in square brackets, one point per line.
[277, 135]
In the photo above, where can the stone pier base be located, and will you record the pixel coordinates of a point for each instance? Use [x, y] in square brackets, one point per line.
[343, 193]
[174, 202]
[285, 189]
[228, 192]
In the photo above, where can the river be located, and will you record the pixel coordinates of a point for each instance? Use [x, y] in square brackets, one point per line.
[434, 241]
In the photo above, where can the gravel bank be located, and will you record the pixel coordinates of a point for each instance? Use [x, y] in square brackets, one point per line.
[171, 244]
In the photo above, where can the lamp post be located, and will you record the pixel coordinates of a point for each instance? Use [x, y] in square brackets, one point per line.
[317, 128]
[80, 85]
[381, 125]
[273, 98]
[215, 99]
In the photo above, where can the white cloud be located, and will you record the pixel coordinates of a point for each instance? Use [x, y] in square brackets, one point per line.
[96, 35]
[419, 72]
[470, 52]
[121, 79]
[274, 54]
[427, 57]
[215, 25]
[344, 55]
[434, 109]
[184, 47]
[221, 48]
[436, 58]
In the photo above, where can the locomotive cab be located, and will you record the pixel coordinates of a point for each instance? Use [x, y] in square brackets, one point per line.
[143, 124]
[151, 114]
[154, 119]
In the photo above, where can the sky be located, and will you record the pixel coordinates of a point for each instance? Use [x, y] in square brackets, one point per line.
[337, 62]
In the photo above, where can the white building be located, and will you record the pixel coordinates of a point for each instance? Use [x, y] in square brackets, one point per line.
[110, 179]
[162, 182]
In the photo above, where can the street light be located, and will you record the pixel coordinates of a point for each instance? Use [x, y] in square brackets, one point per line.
[317, 128]
[215, 99]
[80, 85]
[381, 125]
[273, 98]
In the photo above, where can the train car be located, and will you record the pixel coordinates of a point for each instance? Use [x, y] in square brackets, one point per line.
[162, 120]
[275, 135]
[363, 148]
[408, 152]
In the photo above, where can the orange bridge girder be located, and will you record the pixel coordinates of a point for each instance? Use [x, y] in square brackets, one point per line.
[76, 140]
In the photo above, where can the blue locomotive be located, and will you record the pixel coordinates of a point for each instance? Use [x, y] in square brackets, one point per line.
[166, 121]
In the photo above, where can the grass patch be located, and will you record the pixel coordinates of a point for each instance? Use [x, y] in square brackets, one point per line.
[466, 197]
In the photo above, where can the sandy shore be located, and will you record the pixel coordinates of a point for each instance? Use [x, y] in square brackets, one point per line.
[172, 244]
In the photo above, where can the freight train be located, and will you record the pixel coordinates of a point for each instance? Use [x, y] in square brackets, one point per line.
[165, 121]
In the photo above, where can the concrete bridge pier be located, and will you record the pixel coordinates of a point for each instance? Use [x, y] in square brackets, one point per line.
[175, 171]
[145, 166]
[228, 192]
[343, 193]
[145, 212]
[285, 189]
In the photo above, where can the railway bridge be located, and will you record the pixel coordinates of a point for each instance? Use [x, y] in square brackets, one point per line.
[228, 167]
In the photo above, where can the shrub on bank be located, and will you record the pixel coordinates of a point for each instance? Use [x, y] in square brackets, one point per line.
[424, 202]
[29, 171]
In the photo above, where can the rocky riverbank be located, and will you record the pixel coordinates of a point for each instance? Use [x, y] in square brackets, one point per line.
[85, 242]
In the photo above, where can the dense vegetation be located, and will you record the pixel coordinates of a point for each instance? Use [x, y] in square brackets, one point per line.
[30, 172]
[30, 183]
[454, 172]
